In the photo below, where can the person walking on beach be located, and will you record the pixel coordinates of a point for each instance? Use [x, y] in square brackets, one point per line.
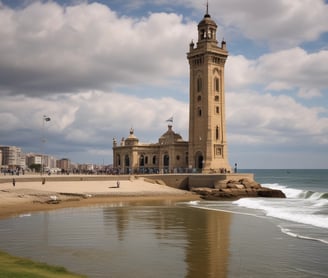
[118, 184]
[14, 182]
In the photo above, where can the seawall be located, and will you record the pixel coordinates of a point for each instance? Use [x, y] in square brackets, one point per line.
[179, 181]
[190, 181]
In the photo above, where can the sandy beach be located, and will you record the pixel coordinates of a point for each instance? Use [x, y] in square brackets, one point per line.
[30, 194]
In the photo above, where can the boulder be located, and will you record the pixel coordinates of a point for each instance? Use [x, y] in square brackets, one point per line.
[270, 193]
[250, 183]
[236, 193]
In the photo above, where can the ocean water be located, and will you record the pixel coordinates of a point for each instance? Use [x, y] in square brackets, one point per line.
[304, 213]
[255, 237]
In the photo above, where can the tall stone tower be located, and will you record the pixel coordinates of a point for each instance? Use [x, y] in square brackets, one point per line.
[207, 125]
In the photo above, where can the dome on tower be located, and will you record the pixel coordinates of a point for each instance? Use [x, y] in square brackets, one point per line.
[207, 20]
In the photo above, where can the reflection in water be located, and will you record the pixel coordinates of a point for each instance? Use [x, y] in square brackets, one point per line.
[203, 234]
[153, 240]
[207, 253]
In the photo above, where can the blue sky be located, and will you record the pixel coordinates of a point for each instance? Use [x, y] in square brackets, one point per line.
[98, 68]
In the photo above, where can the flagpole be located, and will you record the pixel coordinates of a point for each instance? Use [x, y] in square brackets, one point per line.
[43, 140]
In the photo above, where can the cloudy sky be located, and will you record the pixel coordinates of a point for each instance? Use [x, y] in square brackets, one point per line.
[98, 68]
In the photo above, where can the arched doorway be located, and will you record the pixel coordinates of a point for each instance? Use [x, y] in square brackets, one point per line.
[142, 163]
[199, 160]
[166, 163]
[127, 164]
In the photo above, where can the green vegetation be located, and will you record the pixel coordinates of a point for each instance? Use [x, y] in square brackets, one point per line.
[35, 167]
[15, 267]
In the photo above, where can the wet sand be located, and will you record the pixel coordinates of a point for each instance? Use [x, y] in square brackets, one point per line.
[29, 194]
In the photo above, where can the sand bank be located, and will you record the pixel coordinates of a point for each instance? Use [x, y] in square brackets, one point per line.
[27, 196]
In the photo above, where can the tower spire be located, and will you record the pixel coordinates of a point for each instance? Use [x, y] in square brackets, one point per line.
[207, 7]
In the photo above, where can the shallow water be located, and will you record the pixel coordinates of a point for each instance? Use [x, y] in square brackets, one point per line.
[162, 240]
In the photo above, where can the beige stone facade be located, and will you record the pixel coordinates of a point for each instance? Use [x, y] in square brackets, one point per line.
[207, 127]
[206, 150]
[168, 155]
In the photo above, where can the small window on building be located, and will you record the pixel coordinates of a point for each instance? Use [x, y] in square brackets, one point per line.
[146, 160]
[217, 84]
[217, 135]
[199, 98]
[199, 112]
[178, 157]
[199, 84]
[217, 109]
[216, 98]
[154, 159]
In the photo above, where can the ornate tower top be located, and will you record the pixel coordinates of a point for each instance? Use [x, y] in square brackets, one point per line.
[207, 28]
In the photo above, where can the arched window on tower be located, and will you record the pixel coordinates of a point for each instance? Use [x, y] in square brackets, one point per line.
[199, 84]
[217, 84]
[217, 133]
[199, 111]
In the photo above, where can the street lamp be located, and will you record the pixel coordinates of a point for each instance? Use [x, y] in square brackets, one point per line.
[43, 140]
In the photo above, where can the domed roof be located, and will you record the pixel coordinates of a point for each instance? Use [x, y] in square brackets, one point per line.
[170, 137]
[132, 139]
[207, 20]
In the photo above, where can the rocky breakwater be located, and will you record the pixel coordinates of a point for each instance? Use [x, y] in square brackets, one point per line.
[235, 189]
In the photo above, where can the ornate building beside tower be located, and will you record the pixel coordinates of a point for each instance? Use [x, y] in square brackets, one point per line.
[206, 150]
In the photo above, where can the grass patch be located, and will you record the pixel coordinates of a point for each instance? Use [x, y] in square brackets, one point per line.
[15, 267]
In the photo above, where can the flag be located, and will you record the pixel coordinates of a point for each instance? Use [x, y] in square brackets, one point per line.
[170, 120]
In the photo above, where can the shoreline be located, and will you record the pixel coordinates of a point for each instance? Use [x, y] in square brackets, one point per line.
[31, 196]
[28, 195]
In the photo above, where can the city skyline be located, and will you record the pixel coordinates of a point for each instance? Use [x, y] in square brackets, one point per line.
[99, 68]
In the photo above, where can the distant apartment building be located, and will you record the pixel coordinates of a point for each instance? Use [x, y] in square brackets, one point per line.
[12, 157]
[32, 158]
[46, 160]
[64, 164]
[49, 161]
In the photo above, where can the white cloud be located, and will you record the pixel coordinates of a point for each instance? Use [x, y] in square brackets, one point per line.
[254, 118]
[282, 70]
[89, 119]
[282, 23]
[309, 94]
[48, 48]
